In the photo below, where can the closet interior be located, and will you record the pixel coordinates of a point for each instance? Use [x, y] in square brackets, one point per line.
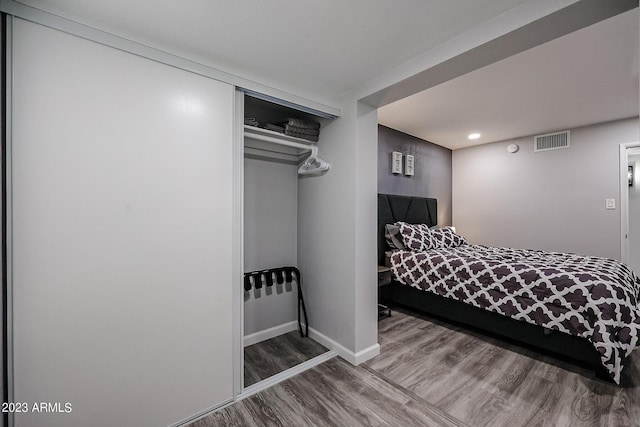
[275, 318]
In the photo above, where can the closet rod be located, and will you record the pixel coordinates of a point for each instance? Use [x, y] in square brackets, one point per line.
[306, 147]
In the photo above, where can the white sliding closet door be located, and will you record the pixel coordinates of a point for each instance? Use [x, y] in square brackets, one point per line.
[121, 226]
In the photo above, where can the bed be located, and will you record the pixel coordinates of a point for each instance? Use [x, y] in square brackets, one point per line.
[584, 309]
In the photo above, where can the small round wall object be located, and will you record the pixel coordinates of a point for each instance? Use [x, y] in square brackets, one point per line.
[512, 148]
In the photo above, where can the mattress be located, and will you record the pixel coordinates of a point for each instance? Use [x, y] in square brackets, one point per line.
[591, 297]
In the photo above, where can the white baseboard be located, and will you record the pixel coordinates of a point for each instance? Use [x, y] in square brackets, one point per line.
[269, 333]
[366, 354]
[343, 352]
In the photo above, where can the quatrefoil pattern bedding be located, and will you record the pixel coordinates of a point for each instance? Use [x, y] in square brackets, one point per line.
[595, 298]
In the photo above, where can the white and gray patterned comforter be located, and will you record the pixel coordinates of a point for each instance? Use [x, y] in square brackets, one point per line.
[595, 298]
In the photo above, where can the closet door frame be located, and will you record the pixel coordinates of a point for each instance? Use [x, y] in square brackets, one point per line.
[238, 251]
[7, 285]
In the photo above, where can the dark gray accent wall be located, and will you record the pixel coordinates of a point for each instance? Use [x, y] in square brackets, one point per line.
[432, 170]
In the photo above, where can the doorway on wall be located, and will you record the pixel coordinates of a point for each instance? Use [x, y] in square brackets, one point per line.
[630, 204]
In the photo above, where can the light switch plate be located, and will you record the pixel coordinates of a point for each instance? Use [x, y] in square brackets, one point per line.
[610, 204]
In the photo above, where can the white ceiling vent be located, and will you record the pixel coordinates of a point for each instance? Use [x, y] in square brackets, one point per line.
[551, 141]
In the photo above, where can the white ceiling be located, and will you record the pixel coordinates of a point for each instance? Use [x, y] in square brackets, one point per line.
[589, 76]
[322, 47]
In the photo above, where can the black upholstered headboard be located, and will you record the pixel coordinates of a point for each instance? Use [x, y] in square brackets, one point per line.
[414, 210]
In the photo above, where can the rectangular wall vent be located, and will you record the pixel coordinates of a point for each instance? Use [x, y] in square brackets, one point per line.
[551, 141]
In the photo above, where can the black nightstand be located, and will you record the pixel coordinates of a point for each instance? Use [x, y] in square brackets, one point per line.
[384, 278]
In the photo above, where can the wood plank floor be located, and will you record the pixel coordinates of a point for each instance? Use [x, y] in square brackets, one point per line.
[432, 374]
[270, 357]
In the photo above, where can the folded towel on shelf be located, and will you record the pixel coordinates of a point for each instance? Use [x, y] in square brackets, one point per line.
[300, 128]
[304, 124]
[275, 128]
[303, 131]
[295, 134]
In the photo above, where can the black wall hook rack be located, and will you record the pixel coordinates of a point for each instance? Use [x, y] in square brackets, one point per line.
[256, 279]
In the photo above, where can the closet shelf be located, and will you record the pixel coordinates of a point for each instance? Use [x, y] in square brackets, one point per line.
[252, 130]
[313, 165]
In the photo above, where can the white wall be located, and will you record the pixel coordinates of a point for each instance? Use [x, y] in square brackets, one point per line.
[366, 227]
[552, 200]
[270, 240]
[634, 215]
[337, 226]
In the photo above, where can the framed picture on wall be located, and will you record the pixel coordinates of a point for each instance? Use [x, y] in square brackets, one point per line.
[409, 163]
[396, 162]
